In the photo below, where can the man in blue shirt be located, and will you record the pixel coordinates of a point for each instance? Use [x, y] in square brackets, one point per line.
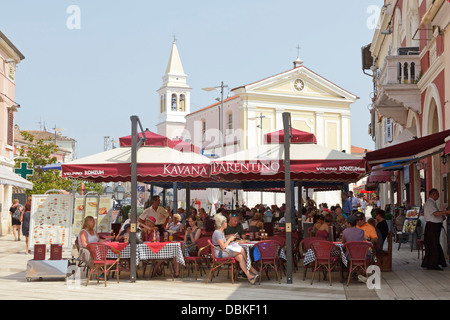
[346, 204]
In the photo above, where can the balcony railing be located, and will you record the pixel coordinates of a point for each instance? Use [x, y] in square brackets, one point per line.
[402, 69]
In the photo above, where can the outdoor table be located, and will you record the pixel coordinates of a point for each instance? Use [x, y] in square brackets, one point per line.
[120, 249]
[161, 251]
[309, 256]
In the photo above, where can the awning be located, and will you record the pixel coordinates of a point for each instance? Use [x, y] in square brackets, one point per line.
[447, 146]
[410, 150]
[8, 177]
[379, 177]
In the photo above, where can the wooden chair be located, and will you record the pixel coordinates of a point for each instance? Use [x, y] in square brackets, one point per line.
[384, 258]
[218, 263]
[101, 265]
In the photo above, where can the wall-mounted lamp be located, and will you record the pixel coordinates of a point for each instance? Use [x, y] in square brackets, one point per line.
[418, 166]
[444, 159]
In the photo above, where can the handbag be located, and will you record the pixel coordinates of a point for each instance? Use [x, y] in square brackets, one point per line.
[17, 213]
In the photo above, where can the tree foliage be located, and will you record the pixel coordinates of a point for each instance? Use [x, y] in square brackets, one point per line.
[39, 153]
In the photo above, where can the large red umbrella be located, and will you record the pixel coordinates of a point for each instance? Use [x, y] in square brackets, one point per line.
[185, 146]
[154, 163]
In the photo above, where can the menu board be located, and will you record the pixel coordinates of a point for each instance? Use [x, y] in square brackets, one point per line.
[97, 207]
[51, 220]
[412, 216]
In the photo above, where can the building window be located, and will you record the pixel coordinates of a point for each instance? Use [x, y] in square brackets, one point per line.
[174, 102]
[230, 121]
[182, 103]
[203, 129]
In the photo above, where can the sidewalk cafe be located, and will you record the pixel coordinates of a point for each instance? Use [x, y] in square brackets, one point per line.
[279, 164]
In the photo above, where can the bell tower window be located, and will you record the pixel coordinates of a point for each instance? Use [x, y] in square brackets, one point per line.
[182, 103]
[174, 102]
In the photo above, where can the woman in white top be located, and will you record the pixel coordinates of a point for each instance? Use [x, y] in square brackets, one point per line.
[218, 240]
[87, 235]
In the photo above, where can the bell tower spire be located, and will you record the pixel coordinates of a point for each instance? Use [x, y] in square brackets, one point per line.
[174, 96]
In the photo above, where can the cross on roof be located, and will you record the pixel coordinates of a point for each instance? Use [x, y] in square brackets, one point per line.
[298, 50]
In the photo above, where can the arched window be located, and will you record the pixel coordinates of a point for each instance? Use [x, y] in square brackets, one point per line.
[174, 102]
[182, 103]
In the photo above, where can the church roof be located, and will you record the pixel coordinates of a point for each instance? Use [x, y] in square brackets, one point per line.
[247, 85]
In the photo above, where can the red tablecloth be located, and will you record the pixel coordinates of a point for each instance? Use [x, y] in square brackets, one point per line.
[116, 246]
[156, 246]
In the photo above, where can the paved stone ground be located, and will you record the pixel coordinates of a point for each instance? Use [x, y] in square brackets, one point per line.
[408, 281]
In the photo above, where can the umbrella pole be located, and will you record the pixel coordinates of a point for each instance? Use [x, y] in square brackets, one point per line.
[133, 216]
[288, 192]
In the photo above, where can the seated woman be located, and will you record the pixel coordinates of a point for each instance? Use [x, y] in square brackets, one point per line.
[319, 220]
[256, 223]
[87, 235]
[176, 225]
[219, 241]
[193, 233]
[323, 231]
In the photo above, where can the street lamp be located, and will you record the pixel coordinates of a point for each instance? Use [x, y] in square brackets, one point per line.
[119, 193]
[108, 191]
[221, 87]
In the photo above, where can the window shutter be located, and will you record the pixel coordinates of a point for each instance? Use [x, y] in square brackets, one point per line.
[10, 134]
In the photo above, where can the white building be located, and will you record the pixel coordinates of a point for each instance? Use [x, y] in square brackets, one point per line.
[316, 105]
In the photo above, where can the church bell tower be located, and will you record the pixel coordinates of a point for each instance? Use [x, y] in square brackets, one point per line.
[174, 98]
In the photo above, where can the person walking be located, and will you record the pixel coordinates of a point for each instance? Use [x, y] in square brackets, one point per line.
[434, 218]
[16, 212]
[25, 220]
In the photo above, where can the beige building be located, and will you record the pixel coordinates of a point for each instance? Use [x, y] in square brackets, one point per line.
[411, 75]
[10, 182]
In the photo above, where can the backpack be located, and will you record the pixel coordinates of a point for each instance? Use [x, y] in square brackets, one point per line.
[17, 213]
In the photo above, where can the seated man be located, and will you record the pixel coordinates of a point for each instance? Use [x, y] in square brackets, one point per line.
[234, 227]
[370, 234]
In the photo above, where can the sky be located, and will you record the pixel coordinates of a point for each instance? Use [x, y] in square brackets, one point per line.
[90, 65]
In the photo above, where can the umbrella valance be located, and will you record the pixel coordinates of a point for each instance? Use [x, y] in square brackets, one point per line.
[308, 162]
[298, 136]
[153, 164]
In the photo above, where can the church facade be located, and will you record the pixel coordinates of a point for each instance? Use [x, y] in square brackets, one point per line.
[316, 105]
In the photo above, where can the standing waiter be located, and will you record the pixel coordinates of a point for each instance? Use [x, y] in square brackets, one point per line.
[434, 218]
